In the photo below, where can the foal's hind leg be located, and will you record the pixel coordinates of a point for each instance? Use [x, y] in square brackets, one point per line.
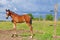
[31, 29]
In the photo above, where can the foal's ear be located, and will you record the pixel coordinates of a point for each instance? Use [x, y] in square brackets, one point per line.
[7, 10]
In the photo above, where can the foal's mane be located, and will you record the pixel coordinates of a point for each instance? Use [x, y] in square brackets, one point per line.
[13, 13]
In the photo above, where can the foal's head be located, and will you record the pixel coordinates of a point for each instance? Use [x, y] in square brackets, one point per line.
[7, 13]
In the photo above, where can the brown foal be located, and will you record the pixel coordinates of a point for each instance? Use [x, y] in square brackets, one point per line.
[20, 19]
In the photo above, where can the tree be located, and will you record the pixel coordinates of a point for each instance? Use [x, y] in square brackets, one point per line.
[51, 10]
[58, 18]
[49, 17]
[31, 15]
[41, 18]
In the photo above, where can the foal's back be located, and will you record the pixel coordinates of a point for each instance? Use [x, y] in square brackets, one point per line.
[25, 18]
[21, 18]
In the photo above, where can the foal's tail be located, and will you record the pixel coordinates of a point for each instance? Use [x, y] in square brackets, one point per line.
[31, 20]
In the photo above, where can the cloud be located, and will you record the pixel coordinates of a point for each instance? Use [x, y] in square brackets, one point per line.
[34, 5]
[59, 7]
[9, 5]
[28, 5]
[3, 2]
[2, 15]
[1, 5]
[15, 9]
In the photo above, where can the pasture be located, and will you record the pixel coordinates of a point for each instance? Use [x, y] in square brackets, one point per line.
[43, 30]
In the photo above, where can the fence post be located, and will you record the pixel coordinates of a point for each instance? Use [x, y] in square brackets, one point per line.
[55, 20]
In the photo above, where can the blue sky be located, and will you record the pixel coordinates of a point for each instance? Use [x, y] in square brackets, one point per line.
[28, 5]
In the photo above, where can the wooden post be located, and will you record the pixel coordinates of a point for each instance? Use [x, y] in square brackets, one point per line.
[55, 19]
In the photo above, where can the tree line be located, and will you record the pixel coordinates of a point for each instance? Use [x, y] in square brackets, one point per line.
[48, 17]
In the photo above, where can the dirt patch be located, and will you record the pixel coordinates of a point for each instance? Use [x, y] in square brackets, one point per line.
[6, 35]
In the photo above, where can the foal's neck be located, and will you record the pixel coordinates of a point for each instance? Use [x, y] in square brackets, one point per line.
[13, 14]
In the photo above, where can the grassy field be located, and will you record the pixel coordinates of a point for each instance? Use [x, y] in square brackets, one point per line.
[43, 30]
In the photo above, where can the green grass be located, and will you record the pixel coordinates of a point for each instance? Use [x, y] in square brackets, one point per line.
[42, 26]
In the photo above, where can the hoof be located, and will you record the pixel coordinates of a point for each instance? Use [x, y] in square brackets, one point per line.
[31, 36]
[50, 25]
[14, 35]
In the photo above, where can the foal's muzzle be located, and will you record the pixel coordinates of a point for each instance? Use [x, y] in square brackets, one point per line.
[6, 17]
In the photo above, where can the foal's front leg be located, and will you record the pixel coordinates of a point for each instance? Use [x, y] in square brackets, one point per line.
[14, 32]
[14, 26]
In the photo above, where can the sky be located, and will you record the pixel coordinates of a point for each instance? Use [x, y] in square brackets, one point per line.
[28, 5]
